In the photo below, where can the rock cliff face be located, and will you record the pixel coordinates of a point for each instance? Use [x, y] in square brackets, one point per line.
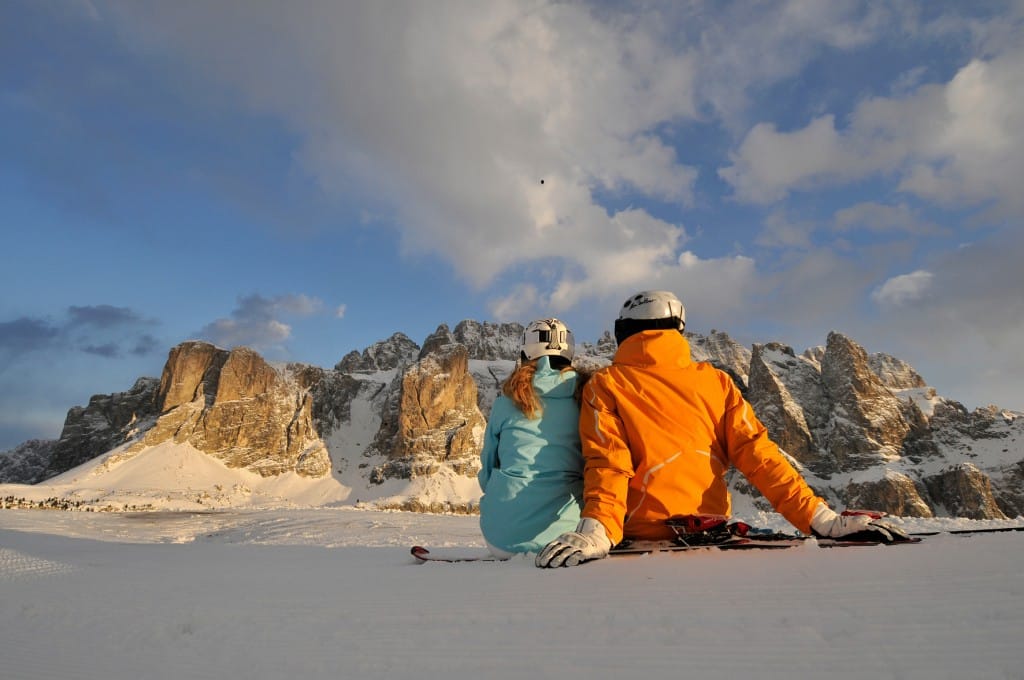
[858, 426]
[398, 350]
[865, 429]
[965, 491]
[28, 462]
[431, 419]
[489, 341]
[786, 393]
[237, 408]
[870, 424]
[108, 421]
[722, 352]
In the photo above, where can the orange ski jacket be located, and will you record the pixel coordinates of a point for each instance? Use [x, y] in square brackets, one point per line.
[659, 433]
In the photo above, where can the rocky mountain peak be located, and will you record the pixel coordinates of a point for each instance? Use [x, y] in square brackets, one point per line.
[191, 371]
[966, 491]
[439, 338]
[109, 420]
[484, 341]
[786, 393]
[894, 373]
[846, 372]
[245, 375]
[386, 355]
[431, 418]
[871, 424]
[839, 412]
[490, 341]
[236, 407]
[814, 354]
[27, 463]
[722, 352]
[605, 344]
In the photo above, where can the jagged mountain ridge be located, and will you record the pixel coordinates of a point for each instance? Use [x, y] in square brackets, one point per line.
[400, 424]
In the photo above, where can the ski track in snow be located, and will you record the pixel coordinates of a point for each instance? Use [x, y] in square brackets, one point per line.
[310, 594]
[16, 565]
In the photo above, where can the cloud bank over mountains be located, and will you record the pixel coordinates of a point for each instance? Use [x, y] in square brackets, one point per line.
[464, 109]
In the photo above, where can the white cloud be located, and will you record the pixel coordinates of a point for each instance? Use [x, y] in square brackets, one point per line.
[339, 311]
[256, 323]
[978, 152]
[808, 292]
[959, 143]
[781, 231]
[299, 305]
[963, 335]
[770, 164]
[903, 289]
[879, 217]
[259, 334]
[517, 305]
[744, 47]
[464, 108]
[715, 291]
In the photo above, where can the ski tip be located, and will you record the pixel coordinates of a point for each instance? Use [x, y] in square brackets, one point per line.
[419, 552]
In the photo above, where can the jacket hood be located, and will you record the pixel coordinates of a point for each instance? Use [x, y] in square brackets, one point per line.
[666, 348]
[552, 382]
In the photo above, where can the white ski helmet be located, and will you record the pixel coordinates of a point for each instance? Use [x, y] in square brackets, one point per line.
[548, 337]
[650, 310]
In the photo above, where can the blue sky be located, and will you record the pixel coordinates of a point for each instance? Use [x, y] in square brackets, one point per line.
[307, 178]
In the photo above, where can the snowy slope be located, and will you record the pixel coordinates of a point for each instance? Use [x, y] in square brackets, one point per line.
[178, 477]
[334, 594]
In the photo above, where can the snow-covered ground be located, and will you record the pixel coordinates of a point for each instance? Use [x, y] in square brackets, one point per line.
[333, 593]
[180, 478]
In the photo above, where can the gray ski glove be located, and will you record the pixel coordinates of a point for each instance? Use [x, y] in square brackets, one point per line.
[588, 542]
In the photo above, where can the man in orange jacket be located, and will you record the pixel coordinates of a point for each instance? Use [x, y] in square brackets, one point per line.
[659, 433]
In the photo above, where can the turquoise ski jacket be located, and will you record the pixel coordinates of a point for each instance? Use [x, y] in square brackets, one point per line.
[532, 470]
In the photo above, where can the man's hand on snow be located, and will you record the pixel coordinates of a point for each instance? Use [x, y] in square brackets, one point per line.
[863, 527]
[588, 542]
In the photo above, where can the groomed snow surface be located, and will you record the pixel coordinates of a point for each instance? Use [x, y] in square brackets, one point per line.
[334, 593]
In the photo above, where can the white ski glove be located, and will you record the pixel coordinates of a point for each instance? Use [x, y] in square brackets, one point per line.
[588, 542]
[860, 527]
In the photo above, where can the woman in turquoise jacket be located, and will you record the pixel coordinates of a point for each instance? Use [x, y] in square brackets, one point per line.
[532, 468]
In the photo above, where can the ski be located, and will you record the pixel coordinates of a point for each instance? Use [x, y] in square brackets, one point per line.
[742, 543]
[423, 555]
[967, 532]
[711, 532]
[714, 532]
[782, 541]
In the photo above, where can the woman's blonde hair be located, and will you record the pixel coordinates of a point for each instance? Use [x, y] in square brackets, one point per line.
[519, 388]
